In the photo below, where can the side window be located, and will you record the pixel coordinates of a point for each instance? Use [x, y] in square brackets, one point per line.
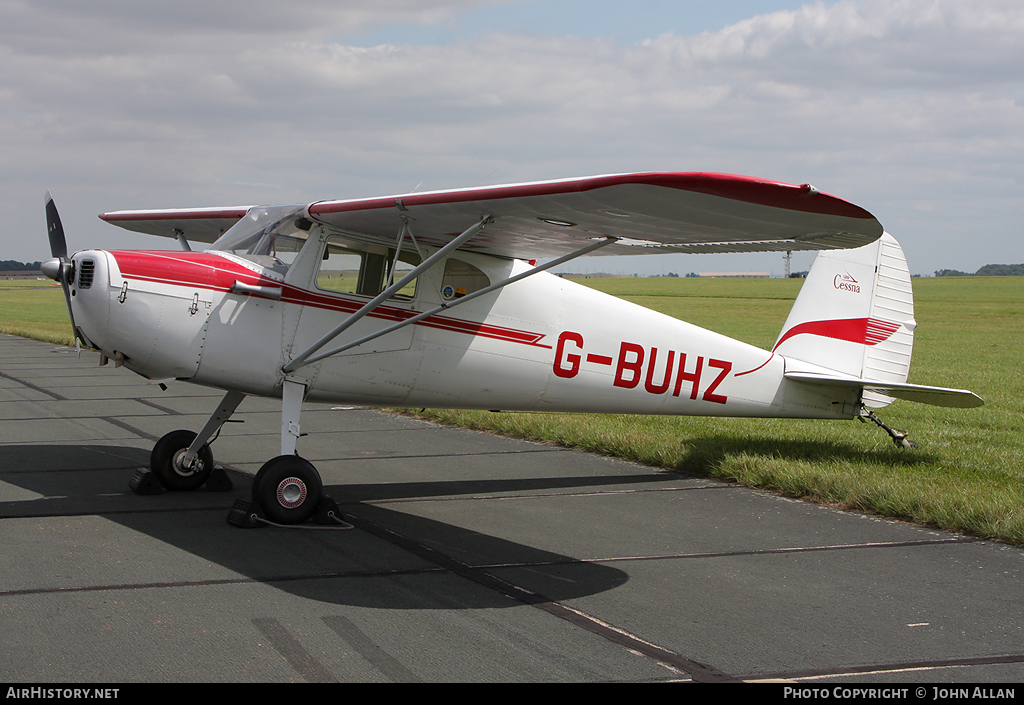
[367, 272]
[461, 278]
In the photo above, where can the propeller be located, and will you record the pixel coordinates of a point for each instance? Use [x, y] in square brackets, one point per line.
[60, 267]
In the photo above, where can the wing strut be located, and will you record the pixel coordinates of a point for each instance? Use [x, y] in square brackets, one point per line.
[180, 234]
[385, 295]
[469, 297]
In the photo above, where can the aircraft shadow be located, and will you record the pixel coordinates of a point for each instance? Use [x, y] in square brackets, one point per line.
[392, 565]
[707, 453]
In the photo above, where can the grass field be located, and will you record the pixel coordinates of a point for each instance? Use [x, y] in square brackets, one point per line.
[34, 309]
[967, 476]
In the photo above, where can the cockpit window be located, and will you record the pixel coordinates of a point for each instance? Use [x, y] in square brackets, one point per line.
[268, 236]
[366, 270]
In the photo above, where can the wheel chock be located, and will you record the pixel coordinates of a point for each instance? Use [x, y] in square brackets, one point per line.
[244, 514]
[218, 481]
[328, 514]
[144, 482]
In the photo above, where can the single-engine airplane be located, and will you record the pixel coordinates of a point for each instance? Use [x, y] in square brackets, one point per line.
[440, 299]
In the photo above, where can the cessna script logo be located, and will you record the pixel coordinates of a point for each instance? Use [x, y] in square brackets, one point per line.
[844, 282]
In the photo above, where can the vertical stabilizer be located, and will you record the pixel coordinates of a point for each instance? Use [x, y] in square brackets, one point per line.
[855, 316]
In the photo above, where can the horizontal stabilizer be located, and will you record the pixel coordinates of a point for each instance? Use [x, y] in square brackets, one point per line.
[936, 396]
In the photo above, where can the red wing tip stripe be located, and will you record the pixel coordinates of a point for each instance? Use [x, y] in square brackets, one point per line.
[865, 331]
[731, 186]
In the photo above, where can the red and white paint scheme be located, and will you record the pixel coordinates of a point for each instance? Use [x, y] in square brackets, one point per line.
[443, 299]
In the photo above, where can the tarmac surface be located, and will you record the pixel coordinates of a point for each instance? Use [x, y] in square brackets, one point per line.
[471, 558]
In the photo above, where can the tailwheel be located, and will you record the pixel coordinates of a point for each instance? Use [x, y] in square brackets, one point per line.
[287, 489]
[898, 437]
[167, 462]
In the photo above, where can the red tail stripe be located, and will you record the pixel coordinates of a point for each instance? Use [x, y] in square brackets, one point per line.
[866, 331]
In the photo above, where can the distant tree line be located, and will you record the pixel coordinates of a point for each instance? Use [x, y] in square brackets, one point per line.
[9, 265]
[1001, 270]
[989, 270]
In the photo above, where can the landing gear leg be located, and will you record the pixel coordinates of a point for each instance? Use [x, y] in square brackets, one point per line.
[288, 489]
[898, 437]
[291, 408]
[182, 460]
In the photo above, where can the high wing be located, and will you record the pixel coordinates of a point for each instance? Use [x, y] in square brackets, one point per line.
[649, 213]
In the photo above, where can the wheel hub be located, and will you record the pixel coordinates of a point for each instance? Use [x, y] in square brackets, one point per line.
[178, 464]
[291, 492]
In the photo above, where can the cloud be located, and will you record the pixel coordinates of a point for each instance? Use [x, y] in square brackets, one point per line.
[68, 27]
[894, 105]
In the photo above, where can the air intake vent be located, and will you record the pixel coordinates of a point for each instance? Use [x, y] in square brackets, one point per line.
[85, 272]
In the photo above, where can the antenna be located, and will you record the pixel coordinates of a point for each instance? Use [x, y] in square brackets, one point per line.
[486, 177]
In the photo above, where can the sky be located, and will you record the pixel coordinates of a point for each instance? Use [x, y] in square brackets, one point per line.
[912, 109]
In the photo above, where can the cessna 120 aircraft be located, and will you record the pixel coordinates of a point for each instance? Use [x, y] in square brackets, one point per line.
[439, 299]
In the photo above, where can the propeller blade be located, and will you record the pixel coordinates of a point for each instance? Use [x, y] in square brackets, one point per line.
[59, 249]
[58, 245]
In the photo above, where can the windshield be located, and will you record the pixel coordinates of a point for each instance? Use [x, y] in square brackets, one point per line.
[268, 236]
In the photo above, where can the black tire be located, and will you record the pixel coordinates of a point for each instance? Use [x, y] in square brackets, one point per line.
[287, 489]
[165, 462]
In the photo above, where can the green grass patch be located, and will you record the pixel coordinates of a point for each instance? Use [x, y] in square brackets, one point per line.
[34, 309]
[966, 477]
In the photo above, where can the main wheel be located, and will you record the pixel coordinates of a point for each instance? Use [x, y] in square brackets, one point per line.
[287, 489]
[166, 462]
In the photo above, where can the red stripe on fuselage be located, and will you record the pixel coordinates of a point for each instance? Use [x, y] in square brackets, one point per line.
[193, 269]
[216, 273]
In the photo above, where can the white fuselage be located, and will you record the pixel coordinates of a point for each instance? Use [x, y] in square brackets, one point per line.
[543, 344]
